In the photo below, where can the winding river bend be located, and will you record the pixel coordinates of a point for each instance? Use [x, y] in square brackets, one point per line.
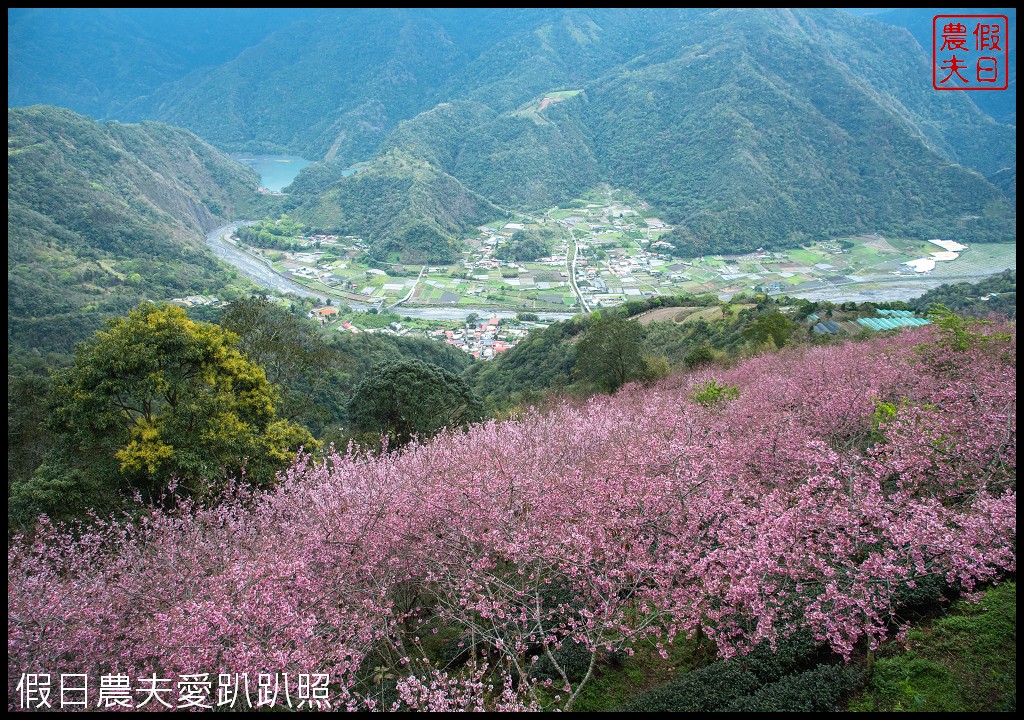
[260, 272]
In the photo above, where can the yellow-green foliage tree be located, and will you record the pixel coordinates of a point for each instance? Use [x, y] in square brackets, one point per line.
[156, 397]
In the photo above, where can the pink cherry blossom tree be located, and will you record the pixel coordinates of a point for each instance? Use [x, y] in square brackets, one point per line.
[795, 505]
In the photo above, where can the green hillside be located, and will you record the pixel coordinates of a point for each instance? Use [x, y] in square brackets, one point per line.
[403, 206]
[331, 86]
[95, 61]
[566, 50]
[742, 151]
[101, 216]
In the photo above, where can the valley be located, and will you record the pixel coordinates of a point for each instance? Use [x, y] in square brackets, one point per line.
[602, 250]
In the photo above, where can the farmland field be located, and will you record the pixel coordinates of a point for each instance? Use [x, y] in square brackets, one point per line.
[620, 255]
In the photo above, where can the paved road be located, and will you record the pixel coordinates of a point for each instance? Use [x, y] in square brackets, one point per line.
[572, 272]
[252, 266]
[408, 295]
[570, 263]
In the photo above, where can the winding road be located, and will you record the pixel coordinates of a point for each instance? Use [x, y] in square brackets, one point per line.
[252, 266]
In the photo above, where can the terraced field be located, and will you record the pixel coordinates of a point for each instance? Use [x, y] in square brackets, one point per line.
[686, 314]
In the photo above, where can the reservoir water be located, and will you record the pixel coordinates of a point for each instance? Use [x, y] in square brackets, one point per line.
[276, 171]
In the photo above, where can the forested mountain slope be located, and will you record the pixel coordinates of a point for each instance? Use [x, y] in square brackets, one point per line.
[97, 60]
[101, 216]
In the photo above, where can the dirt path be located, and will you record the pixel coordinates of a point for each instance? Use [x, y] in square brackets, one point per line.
[334, 148]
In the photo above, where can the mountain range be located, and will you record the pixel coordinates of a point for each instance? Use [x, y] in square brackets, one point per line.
[741, 128]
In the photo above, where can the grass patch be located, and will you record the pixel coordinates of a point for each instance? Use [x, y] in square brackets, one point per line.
[561, 95]
[708, 313]
[804, 256]
[863, 252]
[964, 662]
[906, 244]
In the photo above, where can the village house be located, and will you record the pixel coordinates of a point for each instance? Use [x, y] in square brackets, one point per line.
[325, 313]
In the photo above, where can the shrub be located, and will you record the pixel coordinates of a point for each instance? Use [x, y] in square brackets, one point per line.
[572, 657]
[723, 683]
[820, 689]
[712, 394]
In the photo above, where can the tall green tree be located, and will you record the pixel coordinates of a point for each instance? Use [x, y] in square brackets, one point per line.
[27, 441]
[410, 397]
[772, 328]
[610, 353]
[295, 357]
[156, 397]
